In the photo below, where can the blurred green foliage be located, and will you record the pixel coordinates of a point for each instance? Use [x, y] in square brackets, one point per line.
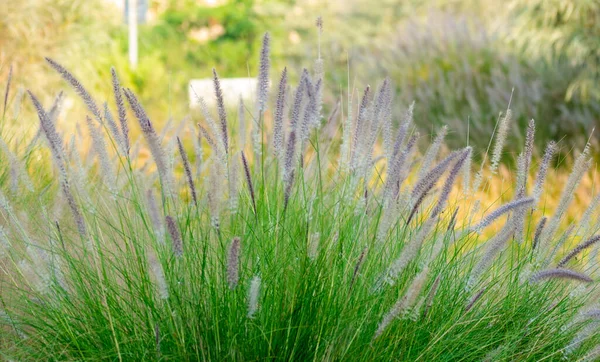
[565, 33]
[458, 60]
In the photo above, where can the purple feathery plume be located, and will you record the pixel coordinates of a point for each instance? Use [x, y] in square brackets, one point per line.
[121, 110]
[221, 110]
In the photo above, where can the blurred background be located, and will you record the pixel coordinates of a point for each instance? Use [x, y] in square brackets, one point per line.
[459, 60]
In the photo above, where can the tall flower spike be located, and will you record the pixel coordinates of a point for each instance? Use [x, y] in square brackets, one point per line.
[580, 167]
[538, 232]
[52, 115]
[492, 248]
[54, 140]
[114, 129]
[527, 155]
[221, 110]
[153, 141]
[591, 241]
[120, 109]
[155, 217]
[212, 125]
[378, 110]
[511, 206]
[559, 273]
[319, 24]
[500, 140]
[309, 111]
[358, 129]
[262, 86]
[249, 182]
[78, 87]
[204, 133]
[175, 236]
[242, 124]
[6, 92]
[409, 252]
[426, 183]
[290, 156]
[431, 295]
[233, 263]
[297, 105]
[543, 170]
[450, 182]
[233, 183]
[188, 171]
[159, 275]
[278, 119]
[402, 131]
[358, 265]
[253, 296]
[216, 179]
[474, 300]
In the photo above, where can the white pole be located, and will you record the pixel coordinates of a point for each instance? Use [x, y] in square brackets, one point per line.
[133, 34]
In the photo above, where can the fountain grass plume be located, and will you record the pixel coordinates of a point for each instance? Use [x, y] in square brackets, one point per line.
[578, 249]
[447, 188]
[431, 295]
[221, 110]
[121, 110]
[114, 130]
[501, 135]
[210, 140]
[262, 85]
[402, 131]
[155, 217]
[188, 171]
[242, 124]
[559, 273]
[580, 167]
[176, 240]
[158, 272]
[253, 296]
[308, 114]
[153, 141]
[278, 136]
[359, 263]
[79, 89]
[359, 131]
[474, 299]
[425, 183]
[7, 90]
[543, 170]
[395, 171]
[508, 207]
[233, 183]
[249, 182]
[538, 232]
[233, 263]
[297, 104]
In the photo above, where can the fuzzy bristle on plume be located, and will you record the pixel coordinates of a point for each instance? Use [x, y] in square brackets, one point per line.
[233, 263]
[153, 141]
[262, 86]
[188, 171]
[79, 89]
[559, 273]
[121, 110]
[221, 110]
[175, 236]
[278, 136]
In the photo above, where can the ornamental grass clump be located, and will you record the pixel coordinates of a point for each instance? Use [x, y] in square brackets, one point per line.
[350, 248]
